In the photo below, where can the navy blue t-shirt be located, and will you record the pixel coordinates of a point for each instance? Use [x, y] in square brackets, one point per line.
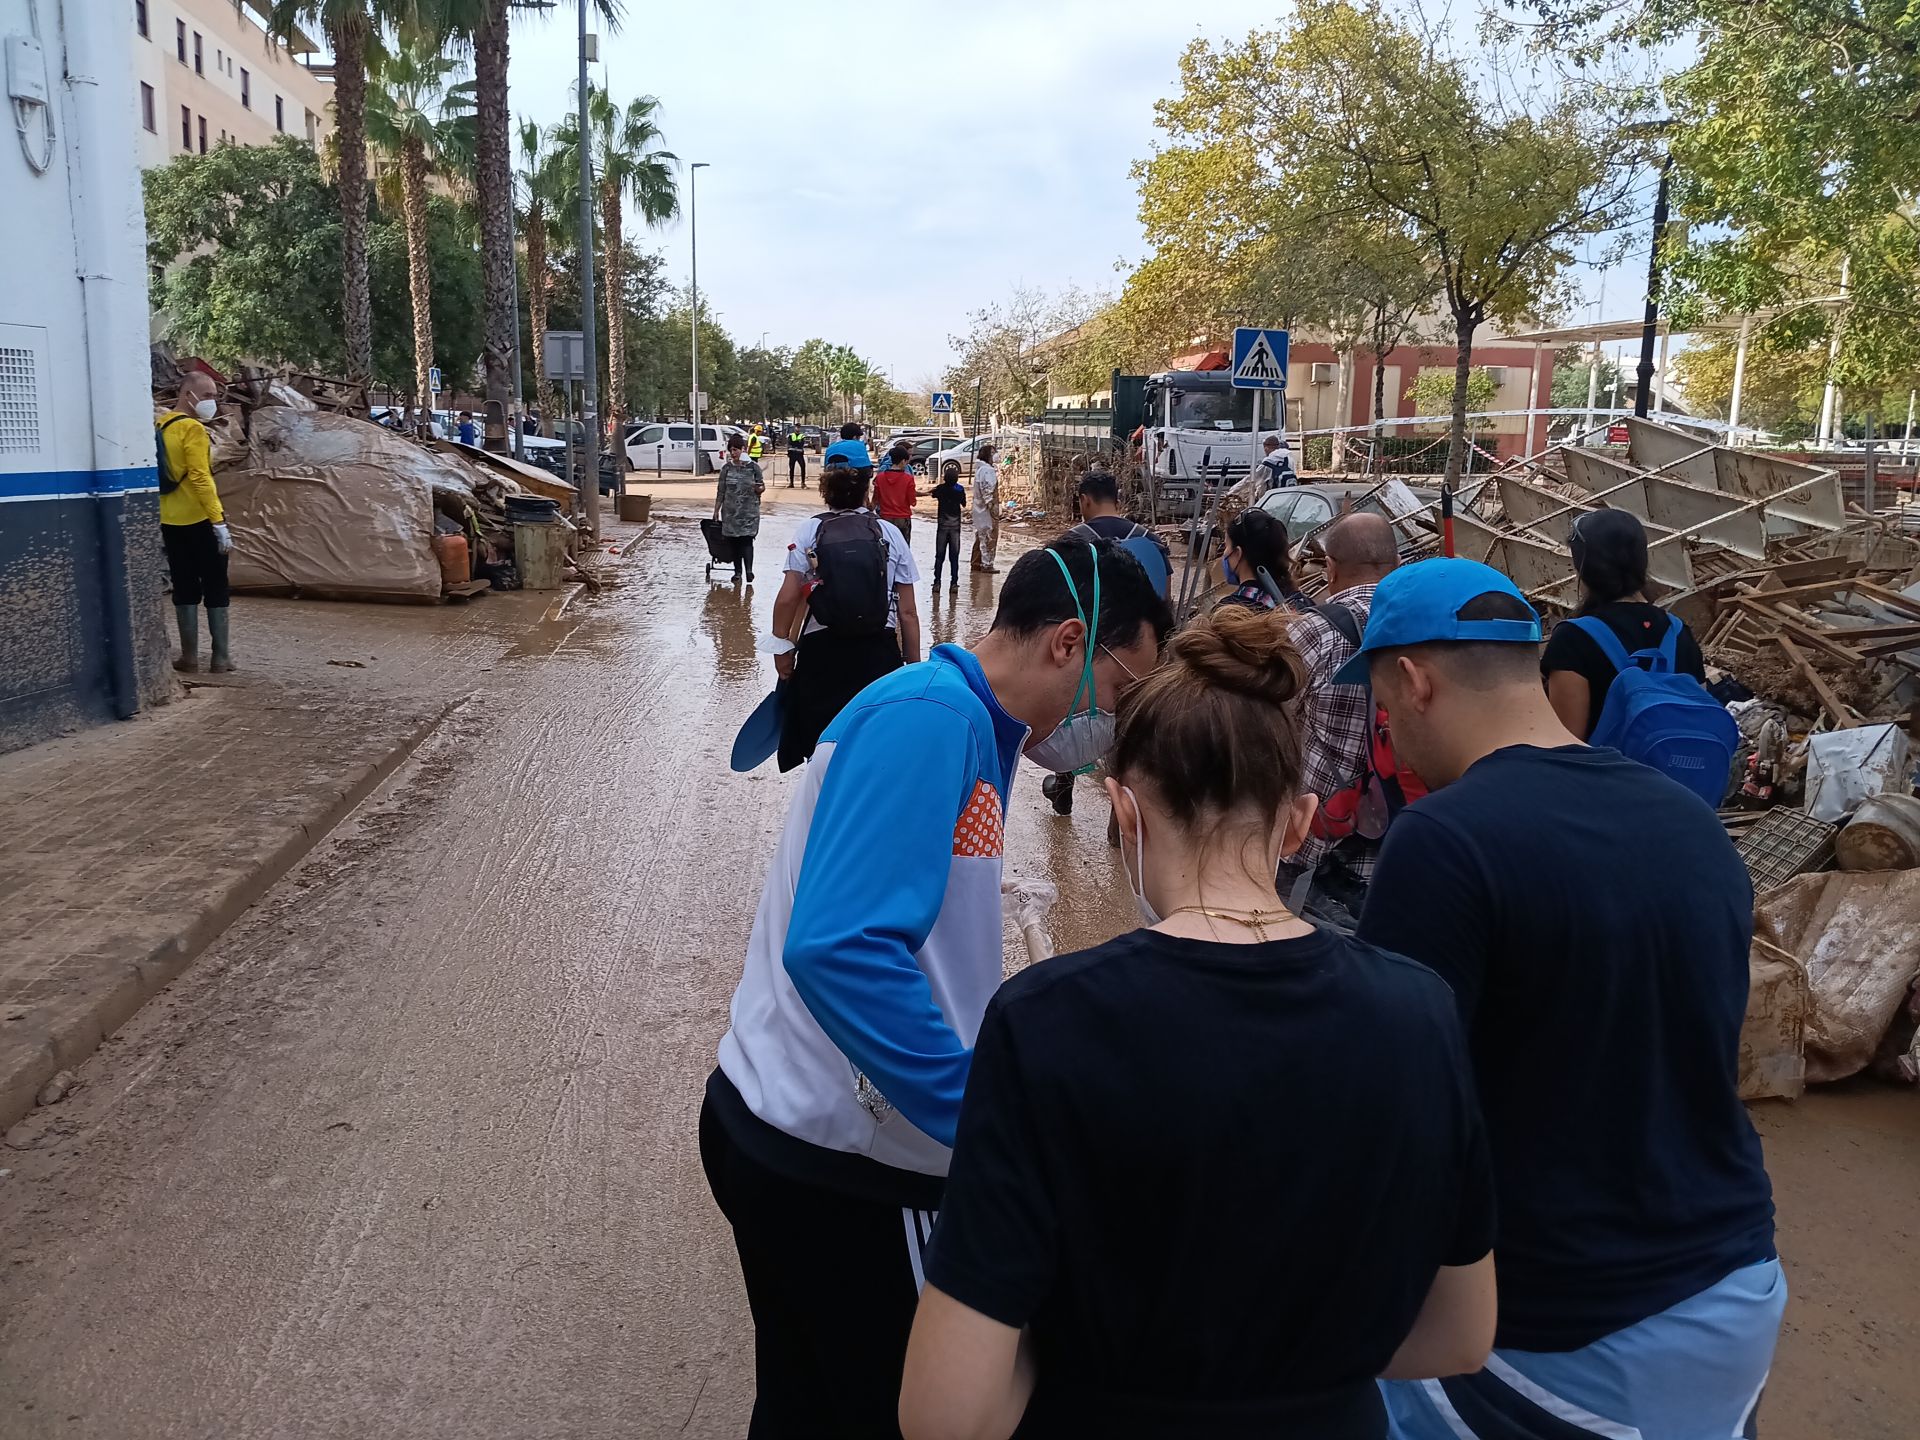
[1593, 920]
[1217, 1180]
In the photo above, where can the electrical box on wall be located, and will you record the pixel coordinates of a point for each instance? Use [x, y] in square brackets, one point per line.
[26, 70]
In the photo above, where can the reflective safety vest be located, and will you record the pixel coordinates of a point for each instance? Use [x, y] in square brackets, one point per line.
[797, 440]
[753, 446]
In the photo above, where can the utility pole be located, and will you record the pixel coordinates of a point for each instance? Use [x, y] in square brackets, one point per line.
[1643, 393]
[693, 229]
[590, 388]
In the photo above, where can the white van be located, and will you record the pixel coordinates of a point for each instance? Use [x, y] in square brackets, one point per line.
[669, 446]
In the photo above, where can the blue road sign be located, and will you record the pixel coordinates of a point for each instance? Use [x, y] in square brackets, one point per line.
[943, 402]
[1259, 359]
[433, 378]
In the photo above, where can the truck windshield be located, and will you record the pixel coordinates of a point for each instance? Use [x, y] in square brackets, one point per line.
[1222, 409]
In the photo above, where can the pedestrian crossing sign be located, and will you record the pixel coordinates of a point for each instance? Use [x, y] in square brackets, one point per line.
[943, 402]
[1259, 359]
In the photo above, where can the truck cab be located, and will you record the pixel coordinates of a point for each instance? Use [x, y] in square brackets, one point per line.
[1198, 430]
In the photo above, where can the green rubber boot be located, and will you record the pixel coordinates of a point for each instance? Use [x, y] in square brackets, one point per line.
[187, 618]
[217, 628]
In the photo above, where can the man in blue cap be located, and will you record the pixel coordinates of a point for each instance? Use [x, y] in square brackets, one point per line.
[1593, 920]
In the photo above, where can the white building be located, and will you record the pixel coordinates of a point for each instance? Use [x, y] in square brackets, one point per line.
[82, 630]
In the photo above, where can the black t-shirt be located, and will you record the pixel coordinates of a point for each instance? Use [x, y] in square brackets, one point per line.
[1593, 920]
[1639, 627]
[952, 500]
[1217, 1180]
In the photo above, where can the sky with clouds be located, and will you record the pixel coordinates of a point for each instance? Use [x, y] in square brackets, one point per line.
[881, 169]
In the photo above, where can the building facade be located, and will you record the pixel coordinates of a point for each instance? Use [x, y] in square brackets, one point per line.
[83, 633]
[205, 72]
[1522, 374]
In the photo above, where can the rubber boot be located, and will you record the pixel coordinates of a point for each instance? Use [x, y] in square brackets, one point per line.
[187, 618]
[217, 628]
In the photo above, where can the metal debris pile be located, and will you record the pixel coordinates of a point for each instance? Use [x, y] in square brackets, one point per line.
[1807, 609]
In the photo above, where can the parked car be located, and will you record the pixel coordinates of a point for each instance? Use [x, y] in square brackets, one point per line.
[1304, 509]
[962, 453]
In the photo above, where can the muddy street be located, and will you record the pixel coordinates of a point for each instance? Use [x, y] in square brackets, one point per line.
[411, 1150]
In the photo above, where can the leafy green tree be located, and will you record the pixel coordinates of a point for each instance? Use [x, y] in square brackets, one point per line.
[629, 164]
[1494, 184]
[1432, 391]
[247, 241]
[1570, 368]
[352, 29]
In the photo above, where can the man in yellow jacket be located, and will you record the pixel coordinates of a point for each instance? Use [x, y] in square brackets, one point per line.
[192, 525]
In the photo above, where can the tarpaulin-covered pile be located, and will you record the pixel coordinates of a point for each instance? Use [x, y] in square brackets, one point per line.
[331, 506]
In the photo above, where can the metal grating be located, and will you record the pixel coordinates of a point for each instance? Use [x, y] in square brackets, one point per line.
[1785, 843]
[19, 403]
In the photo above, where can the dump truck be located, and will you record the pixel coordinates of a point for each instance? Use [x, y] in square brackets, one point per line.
[1187, 429]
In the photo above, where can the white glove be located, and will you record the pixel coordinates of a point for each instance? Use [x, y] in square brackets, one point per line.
[223, 537]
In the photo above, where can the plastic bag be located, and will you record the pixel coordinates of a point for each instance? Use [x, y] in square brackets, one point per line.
[1859, 937]
[1844, 767]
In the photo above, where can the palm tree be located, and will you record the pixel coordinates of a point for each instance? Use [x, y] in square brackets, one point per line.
[352, 28]
[536, 216]
[484, 25]
[414, 116]
[628, 165]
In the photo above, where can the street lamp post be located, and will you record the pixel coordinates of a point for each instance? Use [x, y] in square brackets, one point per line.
[693, 232]
[766, 418]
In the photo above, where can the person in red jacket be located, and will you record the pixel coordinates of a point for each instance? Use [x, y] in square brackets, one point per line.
[894, 491]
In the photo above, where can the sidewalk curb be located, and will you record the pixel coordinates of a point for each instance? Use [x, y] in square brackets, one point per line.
[58, 1035]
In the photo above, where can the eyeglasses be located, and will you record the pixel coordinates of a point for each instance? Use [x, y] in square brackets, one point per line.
[1125, 669]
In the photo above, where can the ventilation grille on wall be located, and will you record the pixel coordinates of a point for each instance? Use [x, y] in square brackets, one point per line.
[19, 402]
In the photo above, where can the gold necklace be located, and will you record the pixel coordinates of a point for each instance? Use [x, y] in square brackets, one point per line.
[1254, 920]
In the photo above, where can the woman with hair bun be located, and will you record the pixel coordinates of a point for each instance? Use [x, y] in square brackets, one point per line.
[1215, 1176]
[1610, 557]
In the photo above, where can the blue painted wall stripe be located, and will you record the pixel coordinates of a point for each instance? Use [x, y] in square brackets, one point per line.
[77, 484]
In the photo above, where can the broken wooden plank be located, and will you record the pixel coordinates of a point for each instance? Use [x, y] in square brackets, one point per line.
[1892, 599]
[1843, 718]
[1782, 616]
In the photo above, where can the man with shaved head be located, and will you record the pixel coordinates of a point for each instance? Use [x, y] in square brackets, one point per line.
[1360, 549]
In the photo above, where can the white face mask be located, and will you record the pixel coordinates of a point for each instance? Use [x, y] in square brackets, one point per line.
[206, 409]
[1148, 915]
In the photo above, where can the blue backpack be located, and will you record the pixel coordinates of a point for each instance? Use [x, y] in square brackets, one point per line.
[1662, 718]
[1139, 544]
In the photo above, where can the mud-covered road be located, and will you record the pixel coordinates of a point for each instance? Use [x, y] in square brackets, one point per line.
[411, 1150]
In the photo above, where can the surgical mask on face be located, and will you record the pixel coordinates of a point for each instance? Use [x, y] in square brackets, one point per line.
[206, 409]
[1148, 915]
[1226, 569]
[1076, 744]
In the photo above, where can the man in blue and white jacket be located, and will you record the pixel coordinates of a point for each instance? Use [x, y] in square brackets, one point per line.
[827, 1128]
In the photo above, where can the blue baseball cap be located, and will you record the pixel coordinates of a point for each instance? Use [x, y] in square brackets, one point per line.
[1420, 604]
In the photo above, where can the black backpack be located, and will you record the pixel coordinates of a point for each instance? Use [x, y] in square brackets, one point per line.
[851, 559]
[169, 482]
